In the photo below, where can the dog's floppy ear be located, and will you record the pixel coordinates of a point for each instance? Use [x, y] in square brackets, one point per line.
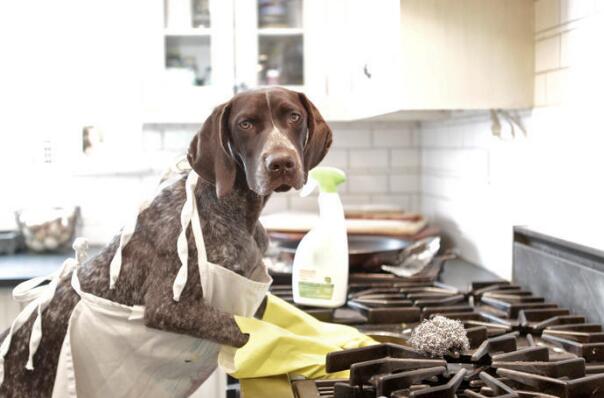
[209, 153]
[319, 136]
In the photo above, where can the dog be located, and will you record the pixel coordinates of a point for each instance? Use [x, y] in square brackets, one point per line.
[259, 142]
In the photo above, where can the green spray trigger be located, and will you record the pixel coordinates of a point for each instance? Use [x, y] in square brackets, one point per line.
[326, 178]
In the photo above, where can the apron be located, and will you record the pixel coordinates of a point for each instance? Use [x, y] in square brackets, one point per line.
[109, 352]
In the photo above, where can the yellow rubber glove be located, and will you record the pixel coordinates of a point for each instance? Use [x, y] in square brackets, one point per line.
[287, 341]
[291, 318]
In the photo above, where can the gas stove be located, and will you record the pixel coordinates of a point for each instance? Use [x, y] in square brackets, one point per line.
[377, 298]
[520, 346]
[540, 336]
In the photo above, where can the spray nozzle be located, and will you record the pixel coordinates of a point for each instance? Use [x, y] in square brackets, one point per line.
[326, 178]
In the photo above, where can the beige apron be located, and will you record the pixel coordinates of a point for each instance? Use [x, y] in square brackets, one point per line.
[109, 352]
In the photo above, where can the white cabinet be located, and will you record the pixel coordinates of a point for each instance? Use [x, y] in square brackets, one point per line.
[355, 58]
[209, 49]
[360, 57]
[466, 54]
[398, 57]
[191, 59]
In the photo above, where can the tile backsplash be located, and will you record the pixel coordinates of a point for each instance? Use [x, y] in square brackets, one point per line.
[477, 186]
[381, 161]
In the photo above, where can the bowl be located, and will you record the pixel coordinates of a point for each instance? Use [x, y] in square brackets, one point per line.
[48, 229]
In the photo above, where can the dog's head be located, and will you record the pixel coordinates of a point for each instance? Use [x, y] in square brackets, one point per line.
[275, 136]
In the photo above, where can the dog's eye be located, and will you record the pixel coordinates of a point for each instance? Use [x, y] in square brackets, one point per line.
[245, 124]
[294, 117]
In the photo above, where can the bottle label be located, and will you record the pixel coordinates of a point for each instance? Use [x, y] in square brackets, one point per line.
[314, 286]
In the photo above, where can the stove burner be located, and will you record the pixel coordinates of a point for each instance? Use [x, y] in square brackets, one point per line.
[520, 346]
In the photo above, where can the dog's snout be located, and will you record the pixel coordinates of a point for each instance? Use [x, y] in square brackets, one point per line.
[279, 162]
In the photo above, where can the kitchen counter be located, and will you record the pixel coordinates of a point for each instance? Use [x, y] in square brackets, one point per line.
[19, 267]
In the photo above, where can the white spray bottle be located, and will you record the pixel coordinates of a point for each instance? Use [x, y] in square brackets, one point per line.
[320, 269]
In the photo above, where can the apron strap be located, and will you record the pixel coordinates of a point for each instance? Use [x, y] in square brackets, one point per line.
[172, 175]
[39, 297]
[189, 213]
[116, 262]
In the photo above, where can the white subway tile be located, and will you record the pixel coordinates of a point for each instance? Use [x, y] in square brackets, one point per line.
[178, 140]
[547, 54]
[547, 14]
[478, 135]
[351, 138]
[438, 185]
[571, 10]
[444, 136]
[367, 183]
[309, 203]
[429, 137]
[407, 158]
[336, 158]
[368, 158]
[557, 86]
[403, 201]
[152, 140]
[276, 204]
[415, 203]
[415, 135]
[404, 183]
[566, 51]
[468, 163]
[348, 199]
[386, 138]
[540, 95]
[577, 47]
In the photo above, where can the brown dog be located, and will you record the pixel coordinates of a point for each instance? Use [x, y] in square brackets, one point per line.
[259, 142]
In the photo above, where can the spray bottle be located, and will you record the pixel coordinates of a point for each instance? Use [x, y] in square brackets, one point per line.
[320, 269]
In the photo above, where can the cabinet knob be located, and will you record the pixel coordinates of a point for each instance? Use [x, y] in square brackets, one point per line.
[366, 71]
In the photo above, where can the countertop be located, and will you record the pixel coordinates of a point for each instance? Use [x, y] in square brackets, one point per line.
[19, 267]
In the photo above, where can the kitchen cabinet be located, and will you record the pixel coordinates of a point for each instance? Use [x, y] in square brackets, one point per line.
[355, 58]
[397, 57]
[191, 59]
[207, 50]
[466, 54]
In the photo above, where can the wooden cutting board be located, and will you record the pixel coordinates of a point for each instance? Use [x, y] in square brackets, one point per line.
[300, 223]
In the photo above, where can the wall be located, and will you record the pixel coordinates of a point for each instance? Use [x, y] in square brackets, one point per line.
[477, 186]
[380, 159]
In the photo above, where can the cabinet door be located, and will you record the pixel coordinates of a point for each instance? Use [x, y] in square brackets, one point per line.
[356, 48]
[374, 28]
[270, 43]
[193, 68]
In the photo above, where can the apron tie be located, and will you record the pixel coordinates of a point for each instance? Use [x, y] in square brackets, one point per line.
[189, 214]
[38, 297]
[171, 176]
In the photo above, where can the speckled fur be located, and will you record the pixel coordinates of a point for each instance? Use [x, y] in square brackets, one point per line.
[234, 239]
[150, 264]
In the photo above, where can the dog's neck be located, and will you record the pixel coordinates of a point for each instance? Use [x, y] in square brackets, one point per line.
[241, 205]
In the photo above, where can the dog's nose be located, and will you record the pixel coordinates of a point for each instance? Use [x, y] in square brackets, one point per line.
[279, 162]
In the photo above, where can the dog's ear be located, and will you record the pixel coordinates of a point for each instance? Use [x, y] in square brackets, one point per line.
[319, 136]
[209, 153]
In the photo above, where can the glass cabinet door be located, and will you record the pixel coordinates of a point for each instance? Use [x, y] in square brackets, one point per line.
[280, 42]
[188, 42]
[193, 66]
[270, 43]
